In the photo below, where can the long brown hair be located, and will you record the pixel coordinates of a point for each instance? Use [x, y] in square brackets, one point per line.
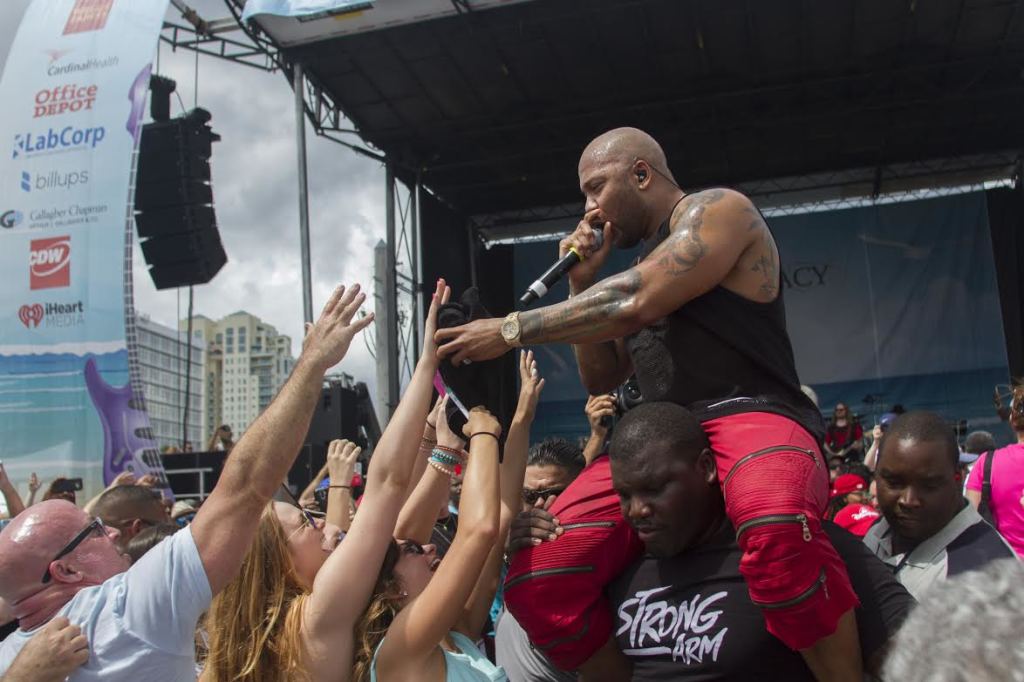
[385, 604]
[255, 623]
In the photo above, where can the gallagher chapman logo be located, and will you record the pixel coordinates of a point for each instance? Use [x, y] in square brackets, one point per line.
[11, 218]
[32, 315]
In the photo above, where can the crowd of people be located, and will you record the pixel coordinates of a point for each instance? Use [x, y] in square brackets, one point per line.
[719, 529]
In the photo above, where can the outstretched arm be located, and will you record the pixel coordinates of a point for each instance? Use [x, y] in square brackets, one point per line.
[226, 523]
[711, 231]
[11, 497]
[419, 513]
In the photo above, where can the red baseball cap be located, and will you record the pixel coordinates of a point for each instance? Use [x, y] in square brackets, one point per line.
[847, 483]
[856, 518]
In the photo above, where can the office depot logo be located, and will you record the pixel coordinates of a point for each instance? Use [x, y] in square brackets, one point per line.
[49, 263]
[88, 15]
[64, 99]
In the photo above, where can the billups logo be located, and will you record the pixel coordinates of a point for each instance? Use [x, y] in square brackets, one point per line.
[88, 15]
[64, 99]
[51, 180]
[32, 315]
[49, 263]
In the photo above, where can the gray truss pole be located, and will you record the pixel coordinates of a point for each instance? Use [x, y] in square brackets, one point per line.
[300, 144]
[419, 290]
[391, 290]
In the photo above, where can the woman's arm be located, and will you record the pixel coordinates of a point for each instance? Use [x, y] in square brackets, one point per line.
[419, 513]
[341, 462]
[344, 584]
[420, 626]
[11, 497]
[513, 470]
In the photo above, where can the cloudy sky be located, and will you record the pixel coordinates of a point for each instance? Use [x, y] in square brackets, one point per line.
[256, 195]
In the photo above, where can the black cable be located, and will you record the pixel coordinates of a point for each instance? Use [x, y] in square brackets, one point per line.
[188, 372]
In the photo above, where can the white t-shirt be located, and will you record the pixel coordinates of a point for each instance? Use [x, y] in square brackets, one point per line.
[140, 624]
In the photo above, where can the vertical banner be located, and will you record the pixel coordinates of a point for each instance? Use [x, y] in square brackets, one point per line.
[74, 90]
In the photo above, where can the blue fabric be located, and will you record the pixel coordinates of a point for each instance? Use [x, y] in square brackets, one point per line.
[466, 665]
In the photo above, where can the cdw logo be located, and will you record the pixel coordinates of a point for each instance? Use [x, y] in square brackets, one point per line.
[49, 263]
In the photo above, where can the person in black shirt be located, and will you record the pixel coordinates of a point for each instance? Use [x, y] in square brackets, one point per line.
[682, 611]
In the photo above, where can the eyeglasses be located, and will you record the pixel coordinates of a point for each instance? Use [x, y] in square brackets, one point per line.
[305, 513]
[95, 526]
[412, 547]
[531, 496]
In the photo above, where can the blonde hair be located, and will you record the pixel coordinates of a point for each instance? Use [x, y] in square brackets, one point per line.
[255, 623]
[373, 624]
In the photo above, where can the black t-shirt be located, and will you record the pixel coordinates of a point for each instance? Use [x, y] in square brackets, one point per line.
[690, 616]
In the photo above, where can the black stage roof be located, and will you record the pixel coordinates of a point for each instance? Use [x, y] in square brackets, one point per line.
[495, 106]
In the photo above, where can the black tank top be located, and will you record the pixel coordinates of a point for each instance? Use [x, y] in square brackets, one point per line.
[721, 354]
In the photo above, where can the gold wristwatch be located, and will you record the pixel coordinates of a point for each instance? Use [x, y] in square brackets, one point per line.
[511, 330]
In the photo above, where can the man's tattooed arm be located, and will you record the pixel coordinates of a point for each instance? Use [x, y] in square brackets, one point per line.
[603, 312]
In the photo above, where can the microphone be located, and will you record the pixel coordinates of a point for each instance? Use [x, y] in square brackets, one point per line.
[557, 271]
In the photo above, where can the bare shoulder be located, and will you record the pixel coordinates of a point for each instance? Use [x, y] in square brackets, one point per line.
[724, 208]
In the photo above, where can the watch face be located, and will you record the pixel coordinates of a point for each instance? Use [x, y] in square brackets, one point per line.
[509, 329]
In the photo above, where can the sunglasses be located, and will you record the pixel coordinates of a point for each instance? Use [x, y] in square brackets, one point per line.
[411, 547]
[305, 513]
[531, 496]
[95, 526]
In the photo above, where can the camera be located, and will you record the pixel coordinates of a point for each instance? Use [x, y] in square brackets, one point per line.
[627, 396]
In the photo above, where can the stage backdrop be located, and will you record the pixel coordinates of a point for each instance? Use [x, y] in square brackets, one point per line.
[74, 91]
[894, 304]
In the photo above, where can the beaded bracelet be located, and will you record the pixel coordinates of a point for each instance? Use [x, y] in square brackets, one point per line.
[461, 454]
[444, 458]
[442, 468]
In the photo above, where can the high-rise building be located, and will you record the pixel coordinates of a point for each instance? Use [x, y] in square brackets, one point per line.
[163, 357]
[246, 362]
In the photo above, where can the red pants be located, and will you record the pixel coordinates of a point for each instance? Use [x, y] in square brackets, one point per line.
[775, 484]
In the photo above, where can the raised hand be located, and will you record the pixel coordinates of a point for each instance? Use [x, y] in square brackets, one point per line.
[442, 293]
[598, 407]
[148, 481]
[530, 386]
[341, 460]
[34, 484]
[584, 241]
[123, 478]
[481, 421]
[327, 341]
[445, 436]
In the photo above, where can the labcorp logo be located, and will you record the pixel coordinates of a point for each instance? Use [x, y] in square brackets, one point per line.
[64, 99]
[59, 66]
[49, 263]
[11, 218]
[32, 315]
[56, 140]
[43, 182]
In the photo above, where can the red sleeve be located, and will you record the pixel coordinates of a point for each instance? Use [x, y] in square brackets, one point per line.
[974, 480]
[858, 431]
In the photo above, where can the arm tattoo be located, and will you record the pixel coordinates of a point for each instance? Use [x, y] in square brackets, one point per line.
[685, 248]
[600, 313]
[767, 262]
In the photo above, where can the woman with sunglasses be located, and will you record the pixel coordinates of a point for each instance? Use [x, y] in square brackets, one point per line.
[426, 612]
[291, 611]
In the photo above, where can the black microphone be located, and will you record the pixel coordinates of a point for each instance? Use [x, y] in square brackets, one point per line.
[557, 271]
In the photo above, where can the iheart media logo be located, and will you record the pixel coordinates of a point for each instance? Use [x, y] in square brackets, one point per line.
[31, 315]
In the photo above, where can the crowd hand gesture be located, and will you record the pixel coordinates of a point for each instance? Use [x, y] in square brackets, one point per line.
[53, 653]
[4, 481]
[123, 478]
[533, 526]
[148, 481]
[442, 292]
[34, 484]
[341, 461]
[584, 241]
[328, 339]
[530, 386]
[445, 435]
[481, 421]
[598, 407]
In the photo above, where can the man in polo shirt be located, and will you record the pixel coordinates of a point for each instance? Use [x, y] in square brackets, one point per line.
[928, 531]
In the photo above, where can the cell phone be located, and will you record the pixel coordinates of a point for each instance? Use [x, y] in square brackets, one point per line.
[358, 469]
[68, 485]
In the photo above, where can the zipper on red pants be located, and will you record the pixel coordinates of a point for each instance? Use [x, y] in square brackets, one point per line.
[800, 598]
[776, 519]
[767, 451]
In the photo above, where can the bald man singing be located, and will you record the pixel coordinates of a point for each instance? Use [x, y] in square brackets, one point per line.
[700, 321]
